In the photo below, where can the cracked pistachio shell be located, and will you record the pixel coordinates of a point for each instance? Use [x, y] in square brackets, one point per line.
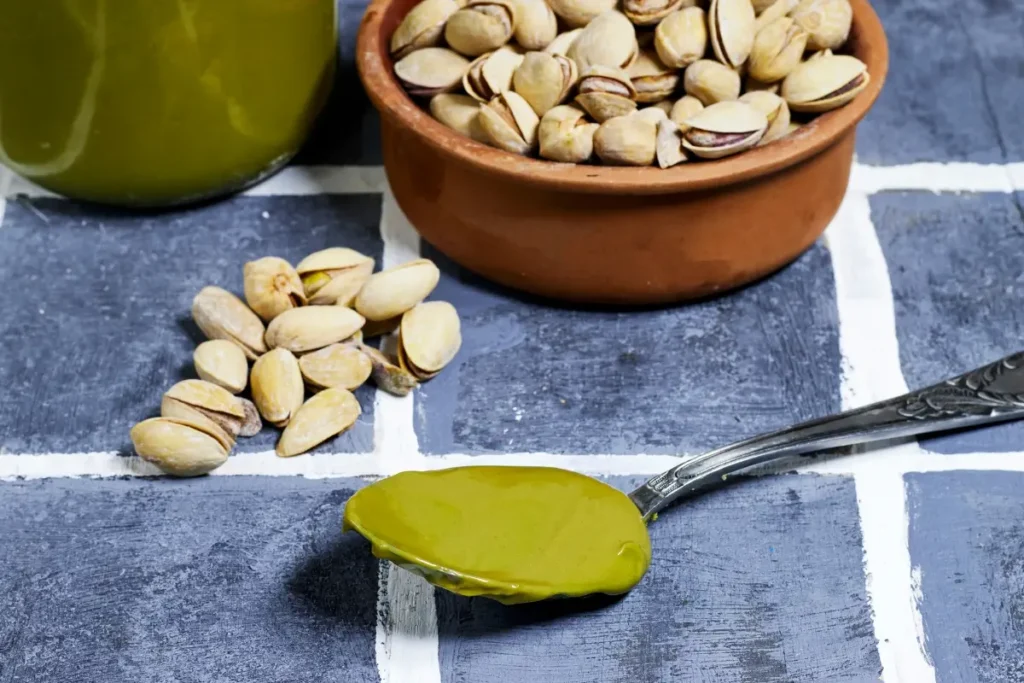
[481, 26]
[335, 275]
[775, 110]
[626, 141]
[272, 287]
[222, 363]
[510, 123]
[491, 74]
[669, 144]
[777, 50]
[325, 415]
[307, 329]
[222, 315]
[579, 13]
[608, 40]
[711, 82]
[394, 291]
[388, 375]
[731, 30]
[824, 83]
[649, 12]
[687, 106]
[681, 38]
[565, 135]
[252, 424]
[277, 388]
[606, 92]
[432, 70]
[204, 402]
[544, 80]
[827, 22]
[430, 337]
[337, 365]
[651, 79]
[177, 447]
[723, 129]
[776, 10]
[536, 24]
[422, 26]
[458, 112]
[563, 41]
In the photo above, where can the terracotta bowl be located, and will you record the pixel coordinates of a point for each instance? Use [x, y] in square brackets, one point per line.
[610, 235]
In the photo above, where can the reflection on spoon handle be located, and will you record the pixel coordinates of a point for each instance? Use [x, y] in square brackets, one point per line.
[992, 393]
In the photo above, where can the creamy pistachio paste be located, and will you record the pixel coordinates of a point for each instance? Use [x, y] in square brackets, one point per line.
[515, 534]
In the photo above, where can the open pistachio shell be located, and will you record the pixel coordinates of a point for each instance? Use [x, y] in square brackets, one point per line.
[563, 41]
[775, 110]
[652, 80]
[711, 82]
[430, 337]
[731, 30]
[579, 13]
[687, 106]
[388, 375]
[432, 70]
[491, 74]
[544, 80]
[681, 38]
[608, 40]
[626, 141]
[252, 424]
[824, 83]
[337, 365]
[277, 388]
[669, 147]
[510, 123]
[222, 315]
[606, 92]
[827, 22]
[177, 447]
[223, 363]
[195, 397]
[308, 329]
[536, 24]
[481, 26]
[422, 26]
[777, 50]
[325, 415]
[565, 135]
[272, 287]
[649, 12]
[394, 291]
[458, 112]
[724, 128]
[334, 275]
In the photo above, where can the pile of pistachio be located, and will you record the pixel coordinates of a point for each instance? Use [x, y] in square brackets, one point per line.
[303, 329]
[740, 63]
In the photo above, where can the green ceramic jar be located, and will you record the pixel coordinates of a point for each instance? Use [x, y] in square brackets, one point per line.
[158, 102]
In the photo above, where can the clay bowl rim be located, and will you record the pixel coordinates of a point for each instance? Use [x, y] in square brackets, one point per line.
[375, 70]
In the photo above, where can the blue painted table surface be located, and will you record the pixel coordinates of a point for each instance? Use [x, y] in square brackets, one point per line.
[904, 564]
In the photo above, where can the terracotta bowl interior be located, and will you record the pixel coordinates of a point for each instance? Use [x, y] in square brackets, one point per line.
[867, 42]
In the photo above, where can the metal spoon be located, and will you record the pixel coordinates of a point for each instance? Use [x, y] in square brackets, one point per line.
[992, 393]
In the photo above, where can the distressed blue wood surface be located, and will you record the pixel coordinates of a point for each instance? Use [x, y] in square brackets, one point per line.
[218, 579]
[761, 581]
[957, 268]
[967, 540]
[97, 325]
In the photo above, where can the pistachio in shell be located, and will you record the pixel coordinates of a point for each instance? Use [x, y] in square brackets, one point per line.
[252, 424]
[711, 82]
[669, 144]
[536, 24]
[308, 329]
[422, 26]
[723, 129]
[178, 447]
[272, 287]
[544, 80]
[510, 123]
[388, 375]
[777, 50]
[565, 135]
[277, 388]
[481, 26]
[731, 30]
[205, 403]
[394, 291]
[491, 74]
[562, 42]
[606, 92]
[337, 365]
[626, 141]
[827, 22]
[776, 10]
[825, 83]
[649, 12]
[223, 363]
[681, 38]
[429, 338]
[775, 110]
[687, 106]
[335, 275]
[608, 40]
[432, 70]
[222, 315]
[458, 112]
[652, 80]
[325, 415]
[579, 13]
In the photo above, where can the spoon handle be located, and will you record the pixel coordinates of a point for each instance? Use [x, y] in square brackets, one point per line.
[992, 393]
